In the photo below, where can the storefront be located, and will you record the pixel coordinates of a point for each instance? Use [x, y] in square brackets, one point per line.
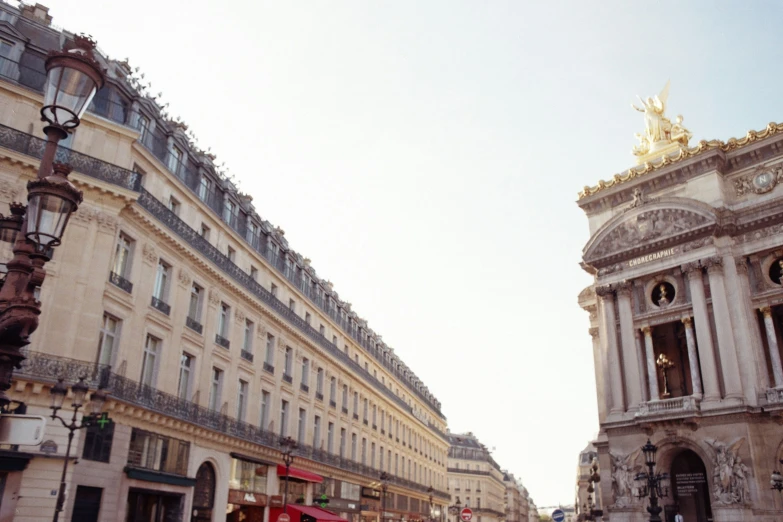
[247, 493]
[300, 513]
[346, 500]
[371, 505]
[298, 479]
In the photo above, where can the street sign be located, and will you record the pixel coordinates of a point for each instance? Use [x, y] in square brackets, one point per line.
[283, 517]
[25, 430]
[466, 515]
[558, 515]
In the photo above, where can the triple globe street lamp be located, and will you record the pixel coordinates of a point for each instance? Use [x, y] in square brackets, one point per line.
[590, 513]
[73, 76]
[651, 484]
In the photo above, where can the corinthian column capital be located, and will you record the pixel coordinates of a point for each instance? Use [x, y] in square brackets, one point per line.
[624, 288]
[604, 291]
[713, 264]
[691, 268]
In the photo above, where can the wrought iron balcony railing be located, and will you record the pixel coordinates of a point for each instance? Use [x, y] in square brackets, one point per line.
[248, 356]
[222, 341]
[120, 282]
[305, 388]
[269, 368]
[160, 305]
[287, 378]
[194, 325]
[319, 396]
[47, 368]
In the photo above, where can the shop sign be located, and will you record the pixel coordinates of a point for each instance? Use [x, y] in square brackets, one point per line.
[246, 498]
[338, 504]
[276, 501]
[688, 483]
[371, 493]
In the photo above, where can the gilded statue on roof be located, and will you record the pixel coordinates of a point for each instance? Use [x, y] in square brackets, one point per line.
[660, 134]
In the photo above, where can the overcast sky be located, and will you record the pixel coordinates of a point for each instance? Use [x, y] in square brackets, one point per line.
[426, 155]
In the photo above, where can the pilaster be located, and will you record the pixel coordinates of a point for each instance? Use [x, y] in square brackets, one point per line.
[701, 319]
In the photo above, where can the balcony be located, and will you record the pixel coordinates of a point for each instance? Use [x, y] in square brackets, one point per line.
[355, 416]
[194, 325]
[375, 427]
[305, 388]
[120, 282]
[345, 410]
[222, 341]
[248, 356]
[269, 368]
[673, 407]
[319, 396]
[364, 421]
[160, 306]
[287, 378]
[332, 404]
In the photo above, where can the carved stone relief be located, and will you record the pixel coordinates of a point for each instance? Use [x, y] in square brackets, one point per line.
[149, 252]
[9, 191]
[240, 317]
[761, 180]
[184, 277]
[647, 226]
[214, 296]
[730, 475]
[624, 470]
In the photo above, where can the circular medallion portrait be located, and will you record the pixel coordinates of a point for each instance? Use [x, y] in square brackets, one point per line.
[776, 271]
[662, 294]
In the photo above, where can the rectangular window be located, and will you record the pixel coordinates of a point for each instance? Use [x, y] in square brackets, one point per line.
[97, 442]
[319, 381]
[228, 212]
[162, 276]
[247, 343]
[364, 451]
[254, 273]
[356, 403]
[224, 320]
[232, 255]
[322, 330]
[215, 389]
[283, 418]
[158, 453]
[353, 447]
[372, 455]
[305, 371]
[307, 317]
[380, 458]
[204, 188]
[342, 443]
[186, 367]
[122, 256]
[269, 357]
[292, 305]
[330, 438]
[273, 289]
[317, 432]
[264, 410]
[333, 390]
[108, 339]
[175, 158]
[248, 476]
[149, 361]
[194, 307]
[345, 397]
[205, 231]
[242, 400]
[174, 205]
[252, 233]
[289, 358]
[365, 410]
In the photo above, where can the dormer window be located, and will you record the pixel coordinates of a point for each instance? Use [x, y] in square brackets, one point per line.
[175, 158]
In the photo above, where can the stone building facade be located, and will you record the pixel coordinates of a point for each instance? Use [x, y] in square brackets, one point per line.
[686, 320]
[516, 499]
[213, 337]
[475, 478]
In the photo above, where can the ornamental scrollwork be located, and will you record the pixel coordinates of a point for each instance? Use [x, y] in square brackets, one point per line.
[760, 181]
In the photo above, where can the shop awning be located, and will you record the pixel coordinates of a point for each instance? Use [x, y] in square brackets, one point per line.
[300, 513]
[300, 474]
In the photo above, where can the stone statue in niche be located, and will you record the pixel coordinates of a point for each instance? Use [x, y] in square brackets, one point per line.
[730, 476]
[624, 470]
[663, 294]
[776, 271]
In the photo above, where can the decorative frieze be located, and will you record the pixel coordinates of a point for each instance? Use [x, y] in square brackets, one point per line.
[762, 180]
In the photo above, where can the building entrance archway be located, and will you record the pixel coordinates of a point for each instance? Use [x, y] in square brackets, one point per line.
[690, 489]
[204, 493]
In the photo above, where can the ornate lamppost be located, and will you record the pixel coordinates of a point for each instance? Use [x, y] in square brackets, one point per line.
[287, 446]
[589, 507]
[384, 487]
[456, 509]
[652, 484]
[429, 491]
[96, 417]
[73, 76]
[776, 481]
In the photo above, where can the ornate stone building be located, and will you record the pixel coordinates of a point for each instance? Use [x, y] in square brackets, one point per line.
[475, 478]
[583, 474]
[686, 319]
[516, 499]
[211, 334]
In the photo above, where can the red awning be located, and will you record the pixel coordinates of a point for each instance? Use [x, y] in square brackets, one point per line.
[300, 474]
[318, 513]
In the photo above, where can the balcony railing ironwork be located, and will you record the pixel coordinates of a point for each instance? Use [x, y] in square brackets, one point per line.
[161, 305]
[222, 341]
[194, 325]
[305, 388]
[120, 282]
[268, 367]
[48, 368]
[287, 378]
[248, 356]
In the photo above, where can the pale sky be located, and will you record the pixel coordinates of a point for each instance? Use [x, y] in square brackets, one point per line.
[426, 155]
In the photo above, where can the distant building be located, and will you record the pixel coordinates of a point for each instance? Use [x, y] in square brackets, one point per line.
[475, 478]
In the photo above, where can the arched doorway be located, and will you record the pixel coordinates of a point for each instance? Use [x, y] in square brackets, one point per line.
[690, 489]
[204, 493]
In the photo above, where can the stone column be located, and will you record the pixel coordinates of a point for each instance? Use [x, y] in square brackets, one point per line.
[693, 357]
[772, 342]
[633, 381]
[652, 373]
[642, 358]
[604, 402]
[726, 346]
[703, 332]
[610, 349]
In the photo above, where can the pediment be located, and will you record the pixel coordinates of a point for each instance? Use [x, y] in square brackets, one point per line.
[663, 223]
[9, 30]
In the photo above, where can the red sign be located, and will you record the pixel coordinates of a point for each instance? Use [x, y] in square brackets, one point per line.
[466, 515]
[283, 517]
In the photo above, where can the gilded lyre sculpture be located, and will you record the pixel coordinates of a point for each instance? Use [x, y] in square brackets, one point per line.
[660, 136]
[665, 365]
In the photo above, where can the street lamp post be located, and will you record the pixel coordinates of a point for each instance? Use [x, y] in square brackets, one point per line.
[589, 508]
[287, 445]
[430, 490]
[455, 509]
[73, 76]
[384, 487]
[95, 417]
[652, 484]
